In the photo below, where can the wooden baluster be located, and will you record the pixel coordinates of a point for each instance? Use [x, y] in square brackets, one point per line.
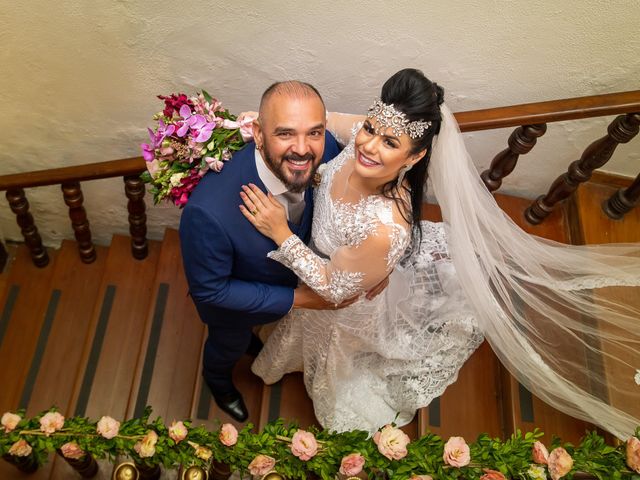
[73, 198]
[4, 256]
[621, 130]
[20, 206]
[623, 200]
[521, 141]
[134, 189]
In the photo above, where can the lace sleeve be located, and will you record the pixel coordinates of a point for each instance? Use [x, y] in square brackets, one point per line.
[342, 124]
[351, 270]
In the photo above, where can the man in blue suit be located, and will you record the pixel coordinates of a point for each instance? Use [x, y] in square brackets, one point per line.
[232, 282]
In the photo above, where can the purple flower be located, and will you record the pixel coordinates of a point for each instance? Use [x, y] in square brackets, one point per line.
[157, 137]
[148, 152]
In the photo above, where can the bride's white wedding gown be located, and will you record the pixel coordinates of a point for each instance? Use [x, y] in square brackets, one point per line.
[376, 361]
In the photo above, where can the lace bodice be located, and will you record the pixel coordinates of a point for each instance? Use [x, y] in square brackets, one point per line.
[359, 239]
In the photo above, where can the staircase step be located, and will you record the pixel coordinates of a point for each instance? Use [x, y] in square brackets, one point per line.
[24, 326]
[523, 410]
[595, 227]
[76, 285]
[472, 404]
[114, 336]
[26, 299]
[169, 360]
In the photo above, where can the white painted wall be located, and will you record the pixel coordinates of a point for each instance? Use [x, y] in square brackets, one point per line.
[79, 78]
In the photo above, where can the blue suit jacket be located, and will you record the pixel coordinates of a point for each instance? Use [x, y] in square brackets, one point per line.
[231, 280]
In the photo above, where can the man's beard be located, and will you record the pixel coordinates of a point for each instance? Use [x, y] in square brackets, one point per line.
[295, 181]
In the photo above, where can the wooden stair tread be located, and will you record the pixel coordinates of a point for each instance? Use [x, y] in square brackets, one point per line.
[165, 380]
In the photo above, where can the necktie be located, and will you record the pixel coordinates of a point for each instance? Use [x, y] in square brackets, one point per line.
[295, 205]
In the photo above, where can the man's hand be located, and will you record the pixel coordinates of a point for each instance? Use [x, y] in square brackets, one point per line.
[304, 297]
[378, 289]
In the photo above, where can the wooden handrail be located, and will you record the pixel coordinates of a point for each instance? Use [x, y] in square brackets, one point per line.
[501, 117]
[551, 111]
[78, 173]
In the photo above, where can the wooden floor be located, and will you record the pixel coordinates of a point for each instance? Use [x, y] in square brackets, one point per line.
[119, 334]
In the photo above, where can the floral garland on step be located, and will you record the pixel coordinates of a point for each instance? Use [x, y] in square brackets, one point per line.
[294, 453]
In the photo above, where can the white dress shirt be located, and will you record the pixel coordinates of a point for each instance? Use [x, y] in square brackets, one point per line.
[275, 186]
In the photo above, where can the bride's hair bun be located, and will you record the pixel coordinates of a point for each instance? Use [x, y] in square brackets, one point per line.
[439, 93]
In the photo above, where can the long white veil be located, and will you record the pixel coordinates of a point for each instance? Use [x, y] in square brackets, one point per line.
[560, 318]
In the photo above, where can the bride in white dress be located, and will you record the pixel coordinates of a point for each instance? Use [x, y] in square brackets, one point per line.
[378, 361]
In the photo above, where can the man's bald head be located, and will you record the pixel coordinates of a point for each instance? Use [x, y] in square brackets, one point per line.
[294, 89]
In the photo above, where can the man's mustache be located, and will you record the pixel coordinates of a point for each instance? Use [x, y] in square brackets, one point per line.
[299, 158]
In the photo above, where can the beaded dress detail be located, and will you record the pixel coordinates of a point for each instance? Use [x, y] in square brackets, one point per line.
[376, 361]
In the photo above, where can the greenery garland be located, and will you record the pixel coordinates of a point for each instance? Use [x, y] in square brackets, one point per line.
[295, 453]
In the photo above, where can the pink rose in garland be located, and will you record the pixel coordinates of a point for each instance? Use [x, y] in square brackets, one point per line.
[177, 431]
[261, 465]
[352, 464]
[492, 475]
[193, 135]
[633, 454]
[108, 427]
[304, 445]
[392, 442]
[456, 452]
[228, 435]
[421, 477]
[147, 446]
[560, 463]
[72, 450]
[10, 421]
[540, 453]
[20, 449]
[51, 422]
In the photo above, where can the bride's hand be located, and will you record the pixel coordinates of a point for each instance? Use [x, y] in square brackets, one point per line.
[265, 213]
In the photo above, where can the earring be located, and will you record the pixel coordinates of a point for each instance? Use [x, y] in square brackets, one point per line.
[403, 171]
[258, 147]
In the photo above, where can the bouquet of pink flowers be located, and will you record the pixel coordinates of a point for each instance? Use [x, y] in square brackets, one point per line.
[193, 135]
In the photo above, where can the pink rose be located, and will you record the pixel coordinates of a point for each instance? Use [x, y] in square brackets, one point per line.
[245, 122]
[352, 464]
[392, 442]
[10, 421]
[72, 450]
[492, 475]
[228, 435]
[20, 449]
[246, 129]
[153, 167]
[177, 431]
[633, 454]
[304, 445]
[261, 465]
[540, 453]
[421, 477]
[560, 463]
[147, 446]
[201, 452]
[108, 427]
[456, 452]
[51, 422]
[215, 164]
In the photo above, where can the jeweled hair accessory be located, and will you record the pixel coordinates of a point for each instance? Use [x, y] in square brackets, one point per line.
[389, 116]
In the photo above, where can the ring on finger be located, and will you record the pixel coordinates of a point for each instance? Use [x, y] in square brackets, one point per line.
[254, 212]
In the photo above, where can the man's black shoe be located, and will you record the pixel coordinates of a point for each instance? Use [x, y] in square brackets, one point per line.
[233, 404]
[254, 346]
